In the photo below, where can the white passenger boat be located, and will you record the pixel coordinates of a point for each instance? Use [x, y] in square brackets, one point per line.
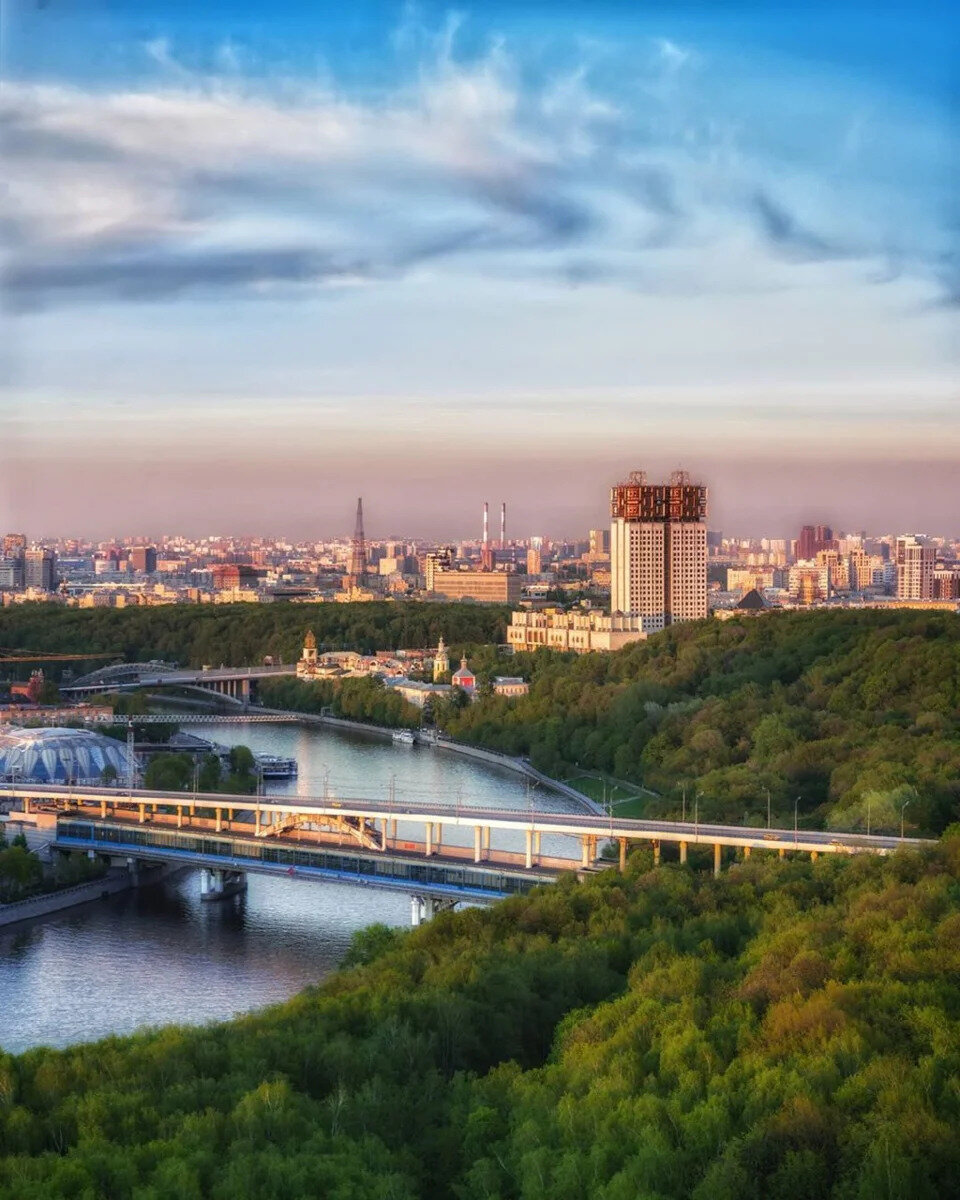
[403, 737]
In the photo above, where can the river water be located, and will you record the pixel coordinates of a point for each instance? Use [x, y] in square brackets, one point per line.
[158, 955]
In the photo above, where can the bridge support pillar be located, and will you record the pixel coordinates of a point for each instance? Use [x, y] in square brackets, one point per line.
[103, 810]
[219, 885]
[486, 839]
[26, 805]
[656, 854]
[623, 853]
[746, 851]
[428, 840]
[219, 819]
[529, 860]
[781, 853]
[683, 852]
[536, 845]
[585, 850]
[477, 838]
[717, 855]
[393, 829]
[143, 813]
[423, 908]
[438, 835]
[179, 816]
[814, 855]
[256, 822]
[245, 692]
[383, 834]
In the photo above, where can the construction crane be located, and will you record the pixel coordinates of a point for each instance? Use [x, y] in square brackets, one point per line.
[26, 656]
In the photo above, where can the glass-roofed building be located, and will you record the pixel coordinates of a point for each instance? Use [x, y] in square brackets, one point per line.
[59, 756]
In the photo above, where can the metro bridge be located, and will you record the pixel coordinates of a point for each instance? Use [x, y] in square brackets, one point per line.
[359, 839]
[235, 683]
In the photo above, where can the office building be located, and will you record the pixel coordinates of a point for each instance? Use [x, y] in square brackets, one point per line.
[486, 587]
[143, 560]
[40, 569]
[658, 549]
[915, 564]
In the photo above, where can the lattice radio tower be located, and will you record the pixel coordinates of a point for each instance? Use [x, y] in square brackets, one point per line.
[358, 547]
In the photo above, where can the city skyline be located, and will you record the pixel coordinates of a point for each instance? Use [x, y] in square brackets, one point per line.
[428, 255]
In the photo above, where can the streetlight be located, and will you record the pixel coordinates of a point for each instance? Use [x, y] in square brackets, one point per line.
[903, 807]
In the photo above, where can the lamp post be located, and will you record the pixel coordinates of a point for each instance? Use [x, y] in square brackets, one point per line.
[903, 808]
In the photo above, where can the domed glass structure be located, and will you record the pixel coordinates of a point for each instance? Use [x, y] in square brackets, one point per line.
[58, 755]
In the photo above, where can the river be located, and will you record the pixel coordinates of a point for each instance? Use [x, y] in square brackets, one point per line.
[158, 955]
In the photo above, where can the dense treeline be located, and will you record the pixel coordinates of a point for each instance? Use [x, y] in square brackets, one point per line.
[855, 713]
[362, 699]
[788, 1030]
[241, 634]
[23, 874]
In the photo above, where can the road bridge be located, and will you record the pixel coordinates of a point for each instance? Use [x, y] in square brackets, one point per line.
[374, 824]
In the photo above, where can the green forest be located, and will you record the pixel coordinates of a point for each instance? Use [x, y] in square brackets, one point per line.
[852, 716]
[788, 1030]
[242, 634]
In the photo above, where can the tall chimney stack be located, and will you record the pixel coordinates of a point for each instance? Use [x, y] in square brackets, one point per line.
[503, 525]
[486, 524]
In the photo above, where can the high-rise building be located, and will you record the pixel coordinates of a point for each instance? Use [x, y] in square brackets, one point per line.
[534, 561]
[915, 564]
[14, 545]
[40, 569]
[813, 539]
[658, 548]
[859, 569]
[12, 560]
[143, 559]
[599, 542]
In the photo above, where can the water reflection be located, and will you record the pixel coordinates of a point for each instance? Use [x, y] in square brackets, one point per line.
[158, 955]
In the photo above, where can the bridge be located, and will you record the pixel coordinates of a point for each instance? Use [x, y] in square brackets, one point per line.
[235, 683]
[362, 840]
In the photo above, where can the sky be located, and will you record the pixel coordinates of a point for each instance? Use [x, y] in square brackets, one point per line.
[258, 259]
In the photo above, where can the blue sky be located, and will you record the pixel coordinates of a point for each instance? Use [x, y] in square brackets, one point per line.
[260, 260]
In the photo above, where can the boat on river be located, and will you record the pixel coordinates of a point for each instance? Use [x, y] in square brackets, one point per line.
[403, 737]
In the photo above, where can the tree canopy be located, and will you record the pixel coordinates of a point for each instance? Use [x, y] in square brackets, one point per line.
[788, 1030]
[847, 711]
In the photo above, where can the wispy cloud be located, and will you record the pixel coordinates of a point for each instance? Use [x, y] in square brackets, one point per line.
[209, 183]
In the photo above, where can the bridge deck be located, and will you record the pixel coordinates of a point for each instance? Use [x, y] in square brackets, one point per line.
[581, 825]
[443, 875]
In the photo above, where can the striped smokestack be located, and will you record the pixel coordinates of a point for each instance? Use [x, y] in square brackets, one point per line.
[503, 525]
[486, 524]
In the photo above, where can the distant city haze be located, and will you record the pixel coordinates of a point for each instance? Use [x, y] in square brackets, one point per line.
[503, 253]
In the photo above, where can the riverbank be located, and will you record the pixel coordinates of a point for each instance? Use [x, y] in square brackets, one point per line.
[479, 753]
[118, 879]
